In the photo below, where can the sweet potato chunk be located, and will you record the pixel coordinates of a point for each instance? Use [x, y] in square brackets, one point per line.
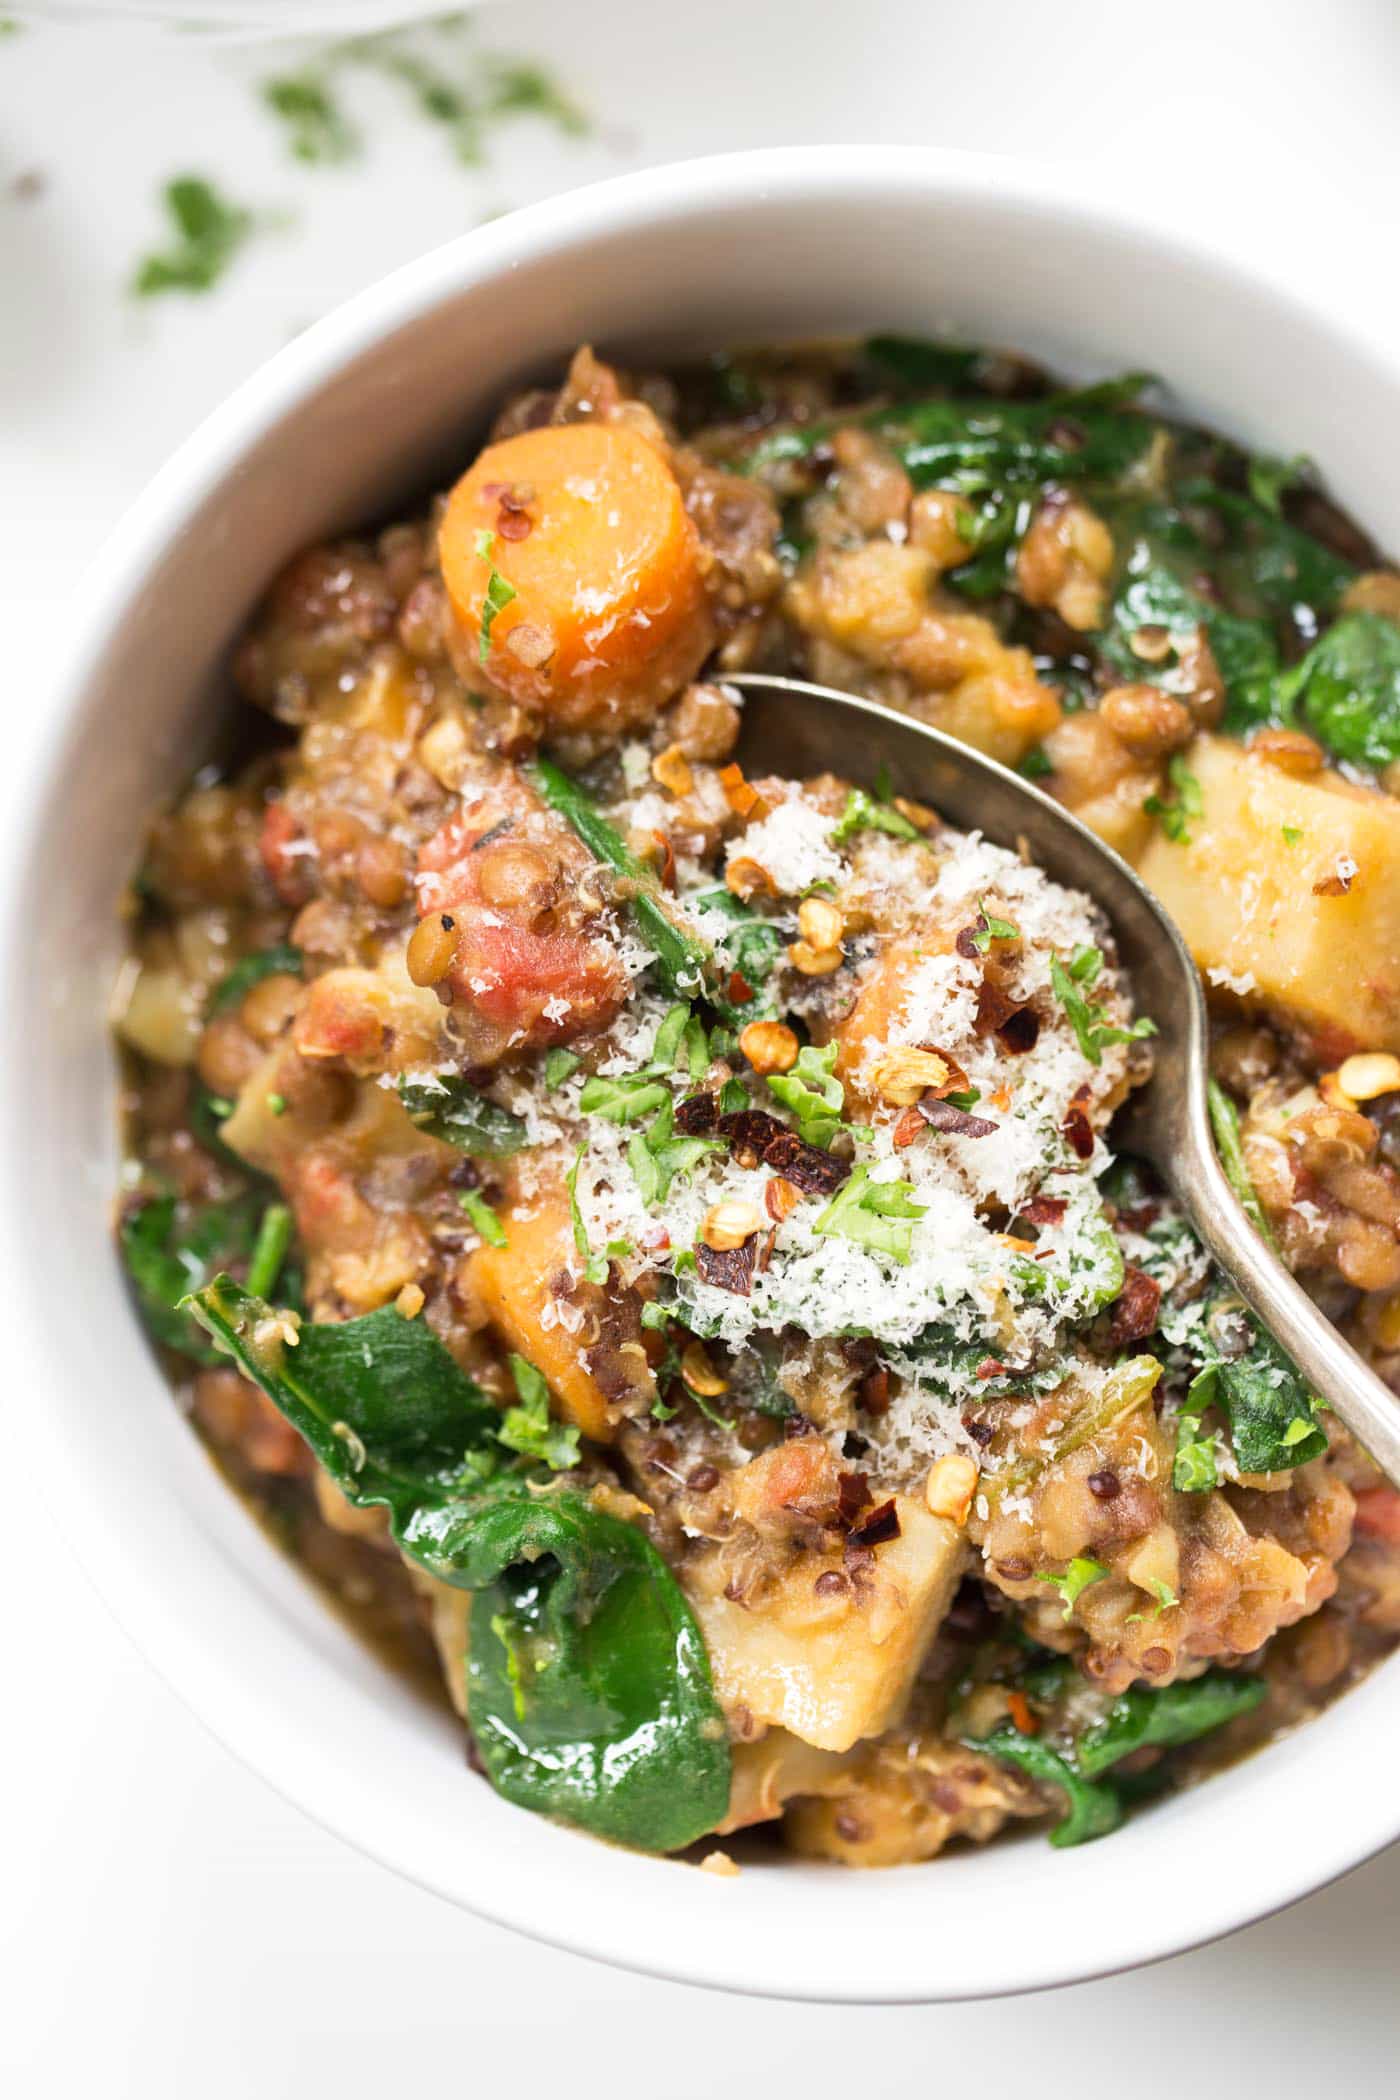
[516, 1286]
[831, 1665]
[1291, 889]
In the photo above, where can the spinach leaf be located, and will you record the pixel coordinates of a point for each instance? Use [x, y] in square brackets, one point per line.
[973, 446]
[1091, 1811]
[457, 1113]
[172, 1248]
[1347, 688]
[588, 1685]
[232, 990]
[1160, 1717]
[1272, 1415]
[915, 362]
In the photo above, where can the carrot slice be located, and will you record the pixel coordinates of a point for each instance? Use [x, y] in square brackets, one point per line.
[575, 576]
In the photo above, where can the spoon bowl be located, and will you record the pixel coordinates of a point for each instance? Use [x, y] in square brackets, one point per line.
[790, 726]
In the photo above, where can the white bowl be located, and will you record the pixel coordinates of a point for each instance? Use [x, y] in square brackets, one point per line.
[375, 404]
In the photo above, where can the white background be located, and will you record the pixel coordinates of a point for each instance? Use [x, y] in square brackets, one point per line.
[167, 1925]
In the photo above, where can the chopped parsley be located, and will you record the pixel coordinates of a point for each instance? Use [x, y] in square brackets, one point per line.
[557, 1067]
[1174, 813]
[1081, 1572]
[316, 128]
[208, 232]
[529, 1428]
[1037, 764]
[812, 1094]
[625, 1099]
[497, 596]
[1292, 835]
[484, 1218]
[990, 929]
[864, 812]
[657, 1156]
[1270, 478]
[1093, 1032]
[877, 1214]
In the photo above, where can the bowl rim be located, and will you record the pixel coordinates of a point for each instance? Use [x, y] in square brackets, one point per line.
[137, 1592]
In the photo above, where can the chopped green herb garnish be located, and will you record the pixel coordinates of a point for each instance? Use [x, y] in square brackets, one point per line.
[208, 233]
[497, 596]
[1081, 1572]
[269, 1249]
[529, 1428]
[865, 813]
[990, 928]
[1093, 1032]
[1270, 478]
[484, 1218]
[1037, 764]
[880, 1215]
[657, 1156]
[811, 1093]
[623, 1100]
[558, 1065]
[571, 1184]
[1229, 1144]
[316, 128]
[1292, 835]
[1175, 812]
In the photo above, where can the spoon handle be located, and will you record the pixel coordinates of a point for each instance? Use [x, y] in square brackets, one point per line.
[1330, 1365]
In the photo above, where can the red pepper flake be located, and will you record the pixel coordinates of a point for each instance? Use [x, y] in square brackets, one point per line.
[1020, 1032]
[738, 990]
[1019, 1707]
[956, 1122]
[909, 1126]
[765, 1252]
[756, 1137]
[668, 861]
[1044, 1210]
[696, 1115]
[990, 1367]
[875, 1391]
[1135, 1309]
[1078, 1132]
[882, 1524]
[852, 1496]
[728, 1268]
[994, 1009]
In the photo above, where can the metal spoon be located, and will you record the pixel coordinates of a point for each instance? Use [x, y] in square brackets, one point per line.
[792, 727]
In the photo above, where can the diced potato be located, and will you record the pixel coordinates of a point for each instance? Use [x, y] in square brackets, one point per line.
[773, 1770]
[514, 1286]
[1244, 891]
[831, 1668]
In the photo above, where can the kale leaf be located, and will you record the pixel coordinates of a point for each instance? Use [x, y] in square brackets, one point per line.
[1161, 1716]
[171, 1248]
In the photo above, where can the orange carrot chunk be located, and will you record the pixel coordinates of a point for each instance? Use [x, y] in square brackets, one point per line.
[575, 576]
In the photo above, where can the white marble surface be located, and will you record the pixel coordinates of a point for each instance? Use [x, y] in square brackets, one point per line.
[167, 1925]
